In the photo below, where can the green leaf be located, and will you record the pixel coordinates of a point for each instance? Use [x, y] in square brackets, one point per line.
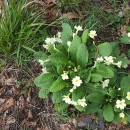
[96, 77]
[40, 55]
[58, 58]
[78, 93]
[58, 85]
[125, 84]
[112, 92]
[115, 49]
[43, 93]
[60, 69]
[105, 71]
[105, 49]
[85, 74]
[85, 36]
[82, 56]
[61, 106]
[43, 78]
[92, 108]
[74, 47]
[95, 97]
[47, 84]
[80, 108]
[108, 112]
[67, 33]
[125, 39]
[117, 119]
[58, 96]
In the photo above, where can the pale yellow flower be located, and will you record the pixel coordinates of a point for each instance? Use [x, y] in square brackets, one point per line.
[82, 102]
[65, 75]
[120, 104]
[76, 81]
[128, 95]
[121, 115]
[92, 34]
[67, 99]
[108, 60]
[105, 83]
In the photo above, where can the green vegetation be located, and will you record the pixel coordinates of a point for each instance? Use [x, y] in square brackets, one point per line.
[20, 25]
[74, 55]
[79, 73]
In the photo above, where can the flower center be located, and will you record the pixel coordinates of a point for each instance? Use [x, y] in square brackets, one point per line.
[77, 80]
[121, 103]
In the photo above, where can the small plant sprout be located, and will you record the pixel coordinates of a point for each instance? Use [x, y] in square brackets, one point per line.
[67, 99]
[125, 66]
[78, 28]
[74, 34]
[50, 40]
[128, 95]
[58, 34]
[120, 104]
[128, 34]
[71, 90]
[82, 102]
[65, 75]
[108, 60]
[75, 69]
[76, 81]
[44, 70]
[118, 64]
[119, 89]
[41, 62]
[68, 43]
[105, 83]
[121, 115]
[92, 34]
[99, 59]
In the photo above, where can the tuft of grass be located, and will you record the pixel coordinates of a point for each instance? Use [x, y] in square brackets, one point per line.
[20, 25]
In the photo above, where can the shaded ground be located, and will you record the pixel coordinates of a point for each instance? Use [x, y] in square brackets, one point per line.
[20, 106]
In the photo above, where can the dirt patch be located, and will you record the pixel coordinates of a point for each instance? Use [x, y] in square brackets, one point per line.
[20, 106]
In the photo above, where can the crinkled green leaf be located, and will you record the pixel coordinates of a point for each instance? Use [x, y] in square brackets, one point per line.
[105, 49]
[58, 85]
[85, 36]
[95, 97]
[96, 77]
[66, 33]
[105, 71]
[58, 58]
[43, 93]
[108, 112]
[74, 47]
[125, 84]
[43, 78]
[61, 106]
[58, 96]
[82, 56]
[125, 39]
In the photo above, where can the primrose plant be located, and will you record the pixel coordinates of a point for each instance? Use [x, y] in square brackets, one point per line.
[91, 78]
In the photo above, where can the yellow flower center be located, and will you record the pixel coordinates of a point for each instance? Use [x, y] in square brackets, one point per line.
[92, 35]
[121, 103]
[76, 80]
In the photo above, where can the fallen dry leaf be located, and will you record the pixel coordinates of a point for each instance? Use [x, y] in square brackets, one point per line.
[73, 15]
[7, 104]
[1, 121]
[67, 126]
[10, 120]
